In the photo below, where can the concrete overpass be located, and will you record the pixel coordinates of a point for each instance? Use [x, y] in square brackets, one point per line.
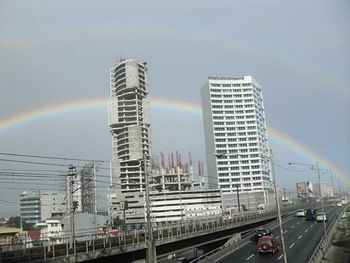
[131, 246]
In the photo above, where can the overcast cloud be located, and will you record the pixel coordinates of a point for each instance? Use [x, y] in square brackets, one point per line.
[54, 52]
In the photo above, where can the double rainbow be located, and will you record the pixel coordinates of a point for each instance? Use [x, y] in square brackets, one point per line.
[163, 104]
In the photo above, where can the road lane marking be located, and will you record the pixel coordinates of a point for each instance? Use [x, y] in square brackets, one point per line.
[281, 256]
[292, 245]
[306, 230]
[252, 255]
[300, 236]
[286, 231]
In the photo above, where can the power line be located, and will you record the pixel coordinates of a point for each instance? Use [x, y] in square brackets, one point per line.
[44, 174]
[292, 170]
[51, 157]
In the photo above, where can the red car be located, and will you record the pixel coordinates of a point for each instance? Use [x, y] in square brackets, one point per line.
[267, 244]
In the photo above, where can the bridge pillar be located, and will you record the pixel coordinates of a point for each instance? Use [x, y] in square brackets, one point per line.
[151, 254]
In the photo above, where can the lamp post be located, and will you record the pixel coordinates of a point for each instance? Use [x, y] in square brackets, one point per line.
[331, 176]
[270, 158]
[151, 256]
[319, 184]
[238, 202]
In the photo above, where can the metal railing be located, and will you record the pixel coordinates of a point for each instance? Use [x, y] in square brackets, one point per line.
[319, 251]
[227, 248]
[49, 250]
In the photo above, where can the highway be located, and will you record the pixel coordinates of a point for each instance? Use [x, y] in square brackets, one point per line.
[301, 237]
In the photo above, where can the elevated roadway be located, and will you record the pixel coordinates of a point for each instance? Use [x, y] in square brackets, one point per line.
[132, 246]
[301, 238]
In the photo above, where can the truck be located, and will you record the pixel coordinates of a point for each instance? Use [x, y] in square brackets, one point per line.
[311, 214]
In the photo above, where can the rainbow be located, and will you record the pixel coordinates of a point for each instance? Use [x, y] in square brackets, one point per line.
[163, 104]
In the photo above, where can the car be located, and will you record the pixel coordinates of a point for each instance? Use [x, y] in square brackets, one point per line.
[342, 225]
[300, 213]
[267, 244]
[321, 217]
[262, 231]
[339, 204]
[310, 214]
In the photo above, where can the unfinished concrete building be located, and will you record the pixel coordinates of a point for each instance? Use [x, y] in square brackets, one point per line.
[129, 122]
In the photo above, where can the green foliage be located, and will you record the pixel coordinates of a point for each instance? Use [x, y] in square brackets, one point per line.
[118, 222]
[15, 221]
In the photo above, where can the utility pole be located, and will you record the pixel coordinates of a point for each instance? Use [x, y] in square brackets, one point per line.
[278, 208]
[151, 256]
[339, 188]
[248, 200]
[72, 205]
[322, 207]
[238, 202]
[331, 175]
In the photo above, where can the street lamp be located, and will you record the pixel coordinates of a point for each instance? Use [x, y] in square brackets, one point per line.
[319, 184]
[151, 248]
[269, 158]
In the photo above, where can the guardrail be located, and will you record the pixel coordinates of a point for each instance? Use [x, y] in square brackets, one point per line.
[129, 240]
[245, 238]
[319, 252]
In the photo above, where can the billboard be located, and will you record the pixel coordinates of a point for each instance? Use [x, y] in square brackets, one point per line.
[301, 189]
[304, 189]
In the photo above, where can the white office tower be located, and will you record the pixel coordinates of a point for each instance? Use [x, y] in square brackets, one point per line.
[129, 122]
[236, 140]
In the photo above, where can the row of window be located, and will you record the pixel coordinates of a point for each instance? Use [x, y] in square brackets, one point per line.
[226, 168]
[232, 101]
[228, 114]
[226, 180]
[230, 84]
[236, 174]
[245, 95]
[237, 162]
[230, 106]
[240, 185]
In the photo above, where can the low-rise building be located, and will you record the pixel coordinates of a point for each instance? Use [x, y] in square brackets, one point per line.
[170, 206]
[8, 235]
[86, 226]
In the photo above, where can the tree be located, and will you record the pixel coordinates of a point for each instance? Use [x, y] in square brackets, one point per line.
[14, 221]
[117, 221]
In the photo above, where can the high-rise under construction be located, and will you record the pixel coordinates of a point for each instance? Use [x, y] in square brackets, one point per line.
[129, 122]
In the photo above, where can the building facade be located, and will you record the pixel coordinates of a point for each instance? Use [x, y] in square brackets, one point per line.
[172, 206]
[81, 189]
[52, 204]
[129, 122]
[86, 227]
[30, 207]
[326, 190]
[236, 137]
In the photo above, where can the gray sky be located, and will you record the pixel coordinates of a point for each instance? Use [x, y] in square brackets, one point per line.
[55, 52]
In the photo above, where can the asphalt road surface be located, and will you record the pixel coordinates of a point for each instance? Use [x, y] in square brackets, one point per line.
[301, 238]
